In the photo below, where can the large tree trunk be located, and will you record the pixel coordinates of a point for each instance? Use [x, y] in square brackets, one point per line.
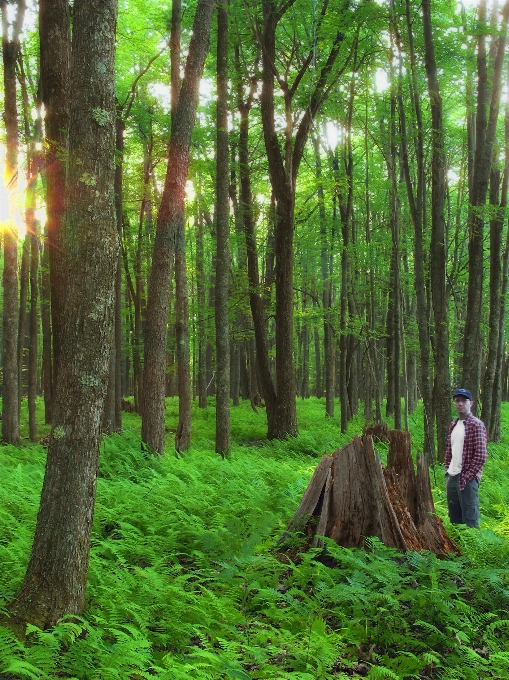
[183, 434]
[282, 421]
[222, 238]
[485, 138]
[112, 420]
[202, 337]
[283, 170]
[22, 312]
[10, 382]
[34, 295]
[438, 241]
[416, 200]
[47, 362]
[55, 50]
[55, 581]
[256, 297]
[170, 218]
[498, 257]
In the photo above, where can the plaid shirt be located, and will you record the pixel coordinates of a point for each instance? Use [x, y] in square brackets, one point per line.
[474, 449]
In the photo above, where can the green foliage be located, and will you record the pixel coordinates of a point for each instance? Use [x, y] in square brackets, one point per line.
[187, 578]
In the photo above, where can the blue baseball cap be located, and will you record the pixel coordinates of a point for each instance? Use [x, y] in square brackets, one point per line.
[460, 392]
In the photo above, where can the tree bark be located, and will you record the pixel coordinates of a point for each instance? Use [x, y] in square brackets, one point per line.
[283, 170]
[485, 138]
[491, 389]
[170, 218]
[351, 497]
[55, 581]
[55, 51]
[222, 238]
[416, 200]
[438, 241]
[34, 299]
[202, 337]
[10, 383]
[47, 363]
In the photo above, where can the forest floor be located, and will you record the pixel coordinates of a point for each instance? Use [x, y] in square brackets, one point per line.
[187, 579]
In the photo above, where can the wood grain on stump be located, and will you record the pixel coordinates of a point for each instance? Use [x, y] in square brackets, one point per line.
[351, 497]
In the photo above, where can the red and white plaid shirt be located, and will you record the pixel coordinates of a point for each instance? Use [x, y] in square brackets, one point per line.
[474, 449]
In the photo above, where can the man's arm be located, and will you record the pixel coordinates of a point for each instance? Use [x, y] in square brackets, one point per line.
[448, 448]
[479, 452]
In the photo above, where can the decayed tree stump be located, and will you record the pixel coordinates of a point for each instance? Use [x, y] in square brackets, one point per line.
[351, 496]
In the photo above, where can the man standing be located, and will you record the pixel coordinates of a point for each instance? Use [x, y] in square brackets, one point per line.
[465, 455]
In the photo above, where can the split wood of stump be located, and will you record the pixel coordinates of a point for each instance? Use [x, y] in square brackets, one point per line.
[352, 496]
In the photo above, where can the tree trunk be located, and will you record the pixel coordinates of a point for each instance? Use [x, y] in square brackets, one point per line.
[202, 337]
[438, 241]
[55, 51]
[34, 300]
[10, 382]
[496, 255]
[170, 217]
[47, 363]
[256, 298]
[55, 581]
[326, 272]
[283, 170]
[183, 434]
[416, 201]
[485, 138]
[22, 312]
[222, 238]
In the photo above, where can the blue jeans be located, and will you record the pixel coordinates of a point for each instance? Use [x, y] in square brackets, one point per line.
[463, 505]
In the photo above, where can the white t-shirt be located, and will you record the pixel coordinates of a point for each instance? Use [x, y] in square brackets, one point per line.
[457, 441]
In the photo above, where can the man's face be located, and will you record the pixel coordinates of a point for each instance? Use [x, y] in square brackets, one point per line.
[462, 406]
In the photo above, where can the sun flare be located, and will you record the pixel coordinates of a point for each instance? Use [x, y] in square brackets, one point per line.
[12, 191]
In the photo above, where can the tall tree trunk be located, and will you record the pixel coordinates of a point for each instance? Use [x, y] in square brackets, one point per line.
[22, 312]
[496, 255]
[222, 240]
[47, 362]
[256, 297]
[34, 295]
[438, 241]
[283, 170]
[500, 383]
[112, 420]
[202, 338]
[416, 201]
[183, 434]
[498, 280]
[55, 51]
[485, 138]
[345, 210]
[170, 219]
[10, 387]
[55, 581]
[326, 272]
[393, 341]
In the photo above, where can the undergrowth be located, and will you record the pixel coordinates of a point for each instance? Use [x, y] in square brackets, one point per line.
[187, 578]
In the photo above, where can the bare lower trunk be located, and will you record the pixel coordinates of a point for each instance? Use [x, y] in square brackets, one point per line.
[47, 363]
[183, 434]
